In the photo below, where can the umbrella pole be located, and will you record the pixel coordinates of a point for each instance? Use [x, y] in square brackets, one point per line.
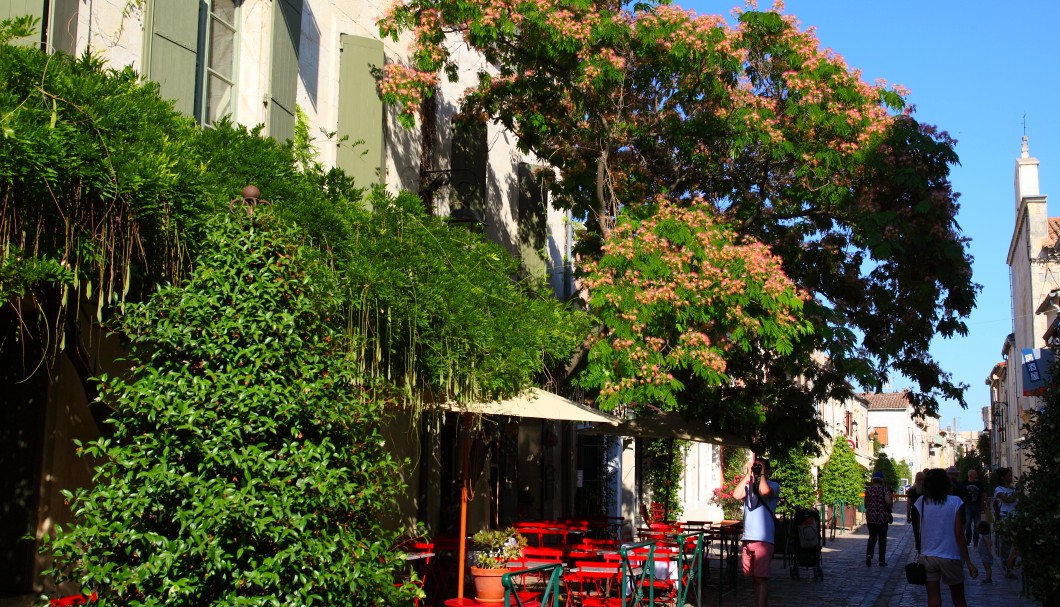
[465, 495]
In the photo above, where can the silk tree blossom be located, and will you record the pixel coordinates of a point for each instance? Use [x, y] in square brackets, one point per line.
[797, 161]
[677, 290]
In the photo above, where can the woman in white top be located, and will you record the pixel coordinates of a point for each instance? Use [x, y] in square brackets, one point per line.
[938, 521]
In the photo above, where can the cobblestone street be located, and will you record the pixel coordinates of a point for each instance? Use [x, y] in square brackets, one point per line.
[848, 582]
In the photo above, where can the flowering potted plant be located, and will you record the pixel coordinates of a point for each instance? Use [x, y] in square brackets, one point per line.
[494, 549]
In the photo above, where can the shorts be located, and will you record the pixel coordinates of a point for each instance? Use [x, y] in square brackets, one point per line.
[757, 558]
[949, 571]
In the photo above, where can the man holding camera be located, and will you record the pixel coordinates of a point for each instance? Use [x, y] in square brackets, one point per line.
[760, 496]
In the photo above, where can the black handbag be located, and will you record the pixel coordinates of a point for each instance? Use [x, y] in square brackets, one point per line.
[915, 572]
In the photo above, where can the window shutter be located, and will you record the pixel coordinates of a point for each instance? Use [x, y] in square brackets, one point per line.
[533, 205]
[881, 436]
[283, 78]
[20, 8]
[468, 163]
[173, 51]
[62, 32]
[360, 122]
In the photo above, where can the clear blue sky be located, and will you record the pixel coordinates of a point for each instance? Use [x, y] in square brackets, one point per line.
[974, 68]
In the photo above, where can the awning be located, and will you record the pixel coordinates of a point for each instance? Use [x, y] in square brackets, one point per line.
[669, 425]
[539, 404]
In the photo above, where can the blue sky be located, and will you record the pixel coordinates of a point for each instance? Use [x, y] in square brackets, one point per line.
[975, 68]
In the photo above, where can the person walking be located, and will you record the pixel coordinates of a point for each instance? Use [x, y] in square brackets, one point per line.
[1004, 505]
[912, 493]
[760, 497]
[972, 491]
[938, 522]
[985, 547]
[877, 517]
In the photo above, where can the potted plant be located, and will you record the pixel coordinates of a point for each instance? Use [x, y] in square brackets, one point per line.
[494, 549]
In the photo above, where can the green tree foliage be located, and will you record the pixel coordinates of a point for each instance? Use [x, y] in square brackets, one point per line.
[970, 460]
[890, 470]
[665, 470]
[842, 479]
[778, 141]
[797, 489]
[905, 470]
[982, 447]
[1035, 524]
[440, 309]
[246, 465]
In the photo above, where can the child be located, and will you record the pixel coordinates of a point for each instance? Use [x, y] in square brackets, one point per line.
[986, 551]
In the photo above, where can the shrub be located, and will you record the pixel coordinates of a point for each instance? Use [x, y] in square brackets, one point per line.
[842, 479]
[245, 464]
[797, 489]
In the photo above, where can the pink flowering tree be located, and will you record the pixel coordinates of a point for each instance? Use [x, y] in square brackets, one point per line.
[749, 125]
[676, 292]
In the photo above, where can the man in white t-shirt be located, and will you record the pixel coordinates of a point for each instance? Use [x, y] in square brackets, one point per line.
[760, 497]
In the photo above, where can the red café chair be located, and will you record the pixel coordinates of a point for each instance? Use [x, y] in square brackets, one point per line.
[600, 544]
[534, 556]
[421, 565]
[594, 584]
[665, 564]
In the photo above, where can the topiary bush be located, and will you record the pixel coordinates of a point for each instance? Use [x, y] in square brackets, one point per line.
[245, 464]
[890, 472]
[842, 478]
[792, 471]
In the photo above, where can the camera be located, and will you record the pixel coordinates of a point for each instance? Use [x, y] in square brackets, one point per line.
[756, 468]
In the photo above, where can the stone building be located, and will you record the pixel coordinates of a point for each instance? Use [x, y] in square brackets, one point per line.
[1016, 380]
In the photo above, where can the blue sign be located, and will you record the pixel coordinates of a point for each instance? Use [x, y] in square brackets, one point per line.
[1037, 364]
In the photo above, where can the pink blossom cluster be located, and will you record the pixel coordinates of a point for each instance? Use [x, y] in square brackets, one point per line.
[400, 82]
[680, 267]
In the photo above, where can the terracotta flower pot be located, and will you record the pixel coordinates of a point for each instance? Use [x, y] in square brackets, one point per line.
[488, 587]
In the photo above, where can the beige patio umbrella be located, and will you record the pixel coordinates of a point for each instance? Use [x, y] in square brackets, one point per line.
[531, 403]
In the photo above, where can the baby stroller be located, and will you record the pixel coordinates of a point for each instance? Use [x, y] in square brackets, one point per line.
[804, 543]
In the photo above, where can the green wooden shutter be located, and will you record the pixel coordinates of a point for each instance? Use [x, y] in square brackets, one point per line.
[532, 218]
[283, 79]
[361, 154]
[62, 32]
[21, 8]
[468, 163]
[173, 50]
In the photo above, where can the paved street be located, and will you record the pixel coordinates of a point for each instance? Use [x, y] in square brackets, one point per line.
[848, 582]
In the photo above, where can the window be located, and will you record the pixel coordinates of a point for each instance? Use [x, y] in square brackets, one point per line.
[191, 54]
[219, 89]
